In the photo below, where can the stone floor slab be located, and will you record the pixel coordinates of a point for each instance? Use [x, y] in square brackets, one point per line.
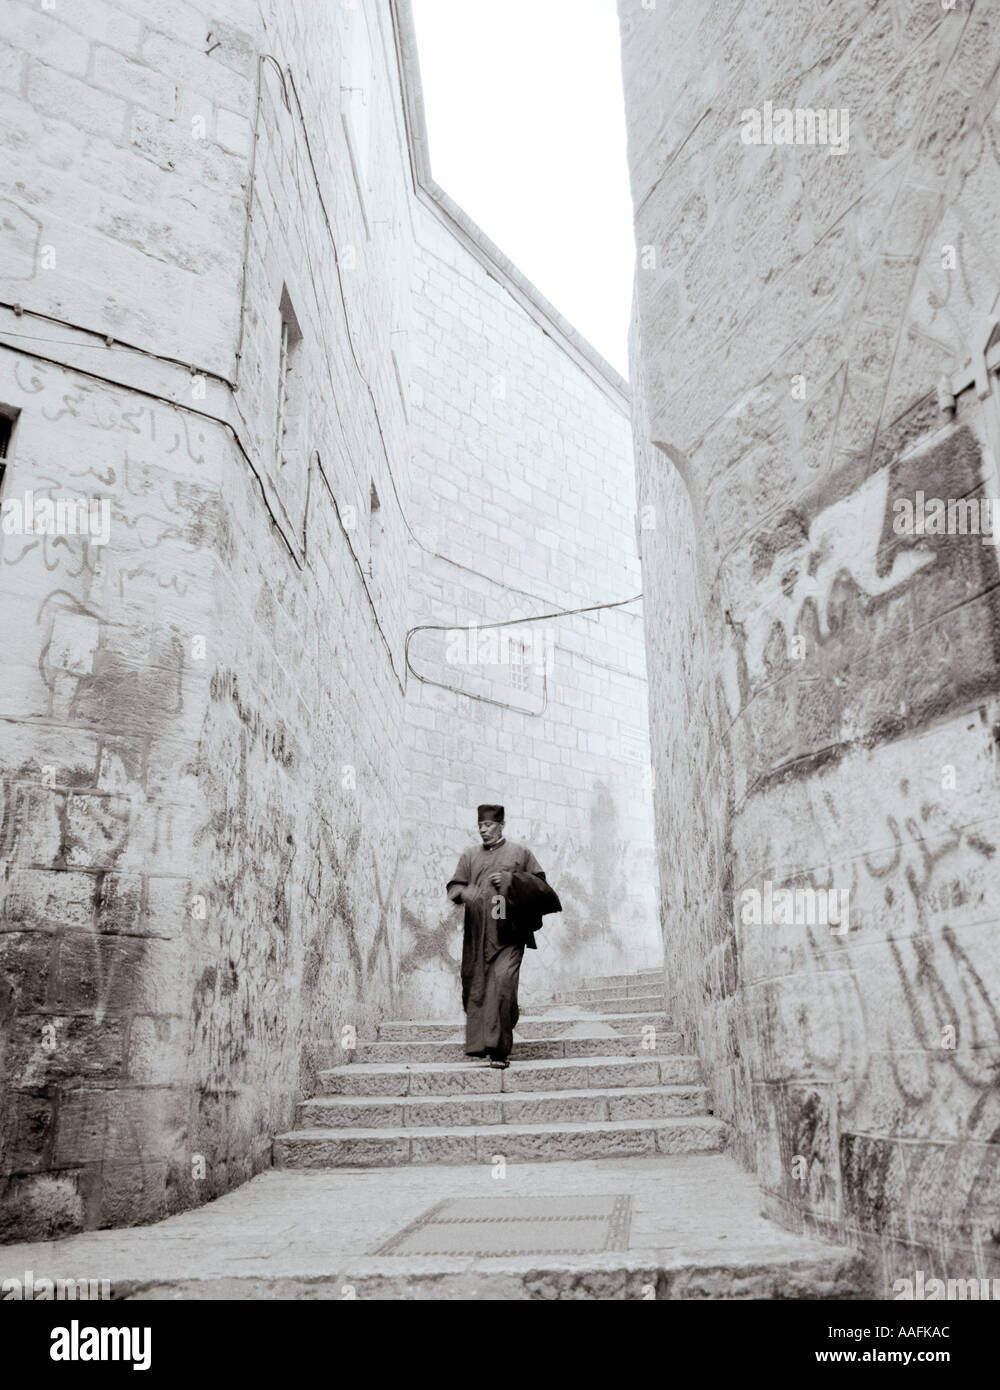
[695, 1232]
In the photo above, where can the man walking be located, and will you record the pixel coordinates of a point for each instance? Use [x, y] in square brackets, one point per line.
[489, 879]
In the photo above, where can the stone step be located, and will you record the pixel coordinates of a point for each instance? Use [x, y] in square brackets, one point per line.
[765, 1272]
[431, 1030]
[528, 1143]
[619, 1045]
[613, 992]
[599, 991]
[516, 1108]
[634, 1004]
[469, 1078]
[638, 984]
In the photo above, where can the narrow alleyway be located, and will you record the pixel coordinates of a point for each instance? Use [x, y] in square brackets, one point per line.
[589, 1169]
[636, 558]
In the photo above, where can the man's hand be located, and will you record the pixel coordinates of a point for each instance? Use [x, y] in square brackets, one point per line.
[495, 880]
[469, 894]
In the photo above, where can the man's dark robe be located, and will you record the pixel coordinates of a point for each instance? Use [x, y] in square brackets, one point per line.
[493, 947]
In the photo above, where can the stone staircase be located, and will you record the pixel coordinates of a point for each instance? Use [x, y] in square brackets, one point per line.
[596, 1074]
[391, 1186]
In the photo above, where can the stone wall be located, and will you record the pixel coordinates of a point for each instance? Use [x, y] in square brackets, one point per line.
[210, 248]
[823, 689]
[523, 504]
[203, 720]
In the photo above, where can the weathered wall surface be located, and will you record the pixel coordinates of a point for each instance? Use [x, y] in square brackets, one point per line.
[523, 503]
[823, 690]
[210, 250]
[202, 721]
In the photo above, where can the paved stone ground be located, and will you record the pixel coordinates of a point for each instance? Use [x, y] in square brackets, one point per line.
[695, 1232]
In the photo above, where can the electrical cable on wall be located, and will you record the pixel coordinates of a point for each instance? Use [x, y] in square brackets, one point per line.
[510, 622]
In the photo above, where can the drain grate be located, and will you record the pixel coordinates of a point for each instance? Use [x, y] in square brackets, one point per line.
[492, 1226]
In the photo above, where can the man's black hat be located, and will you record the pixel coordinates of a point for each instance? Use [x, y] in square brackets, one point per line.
[491, 813]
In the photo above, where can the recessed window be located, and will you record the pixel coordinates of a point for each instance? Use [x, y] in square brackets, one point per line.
[289, 406]
[375, 530]
[518, 664]
[8, 416]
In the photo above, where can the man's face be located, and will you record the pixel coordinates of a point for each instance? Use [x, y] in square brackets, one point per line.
[491, 831]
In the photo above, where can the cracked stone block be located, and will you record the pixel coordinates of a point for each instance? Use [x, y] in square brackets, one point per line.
[346, 1116]
[474, 1078]
[488, 1111]
[329, 1151]
[443, 1148]
[550, 1146]
[553, 1109]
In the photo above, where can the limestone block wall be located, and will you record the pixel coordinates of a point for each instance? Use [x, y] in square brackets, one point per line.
[202, 730]
[523, 503]
[225, 315]
[823, 689]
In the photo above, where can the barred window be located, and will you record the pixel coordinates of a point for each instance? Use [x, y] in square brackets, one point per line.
[519, 673]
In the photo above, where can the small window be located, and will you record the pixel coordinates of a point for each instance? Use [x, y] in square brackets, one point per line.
[8, 417]
[375, 530]
[289, 407]
[518, 664]
[6, 433]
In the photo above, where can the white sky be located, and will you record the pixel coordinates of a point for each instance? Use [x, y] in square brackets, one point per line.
[526, 127]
